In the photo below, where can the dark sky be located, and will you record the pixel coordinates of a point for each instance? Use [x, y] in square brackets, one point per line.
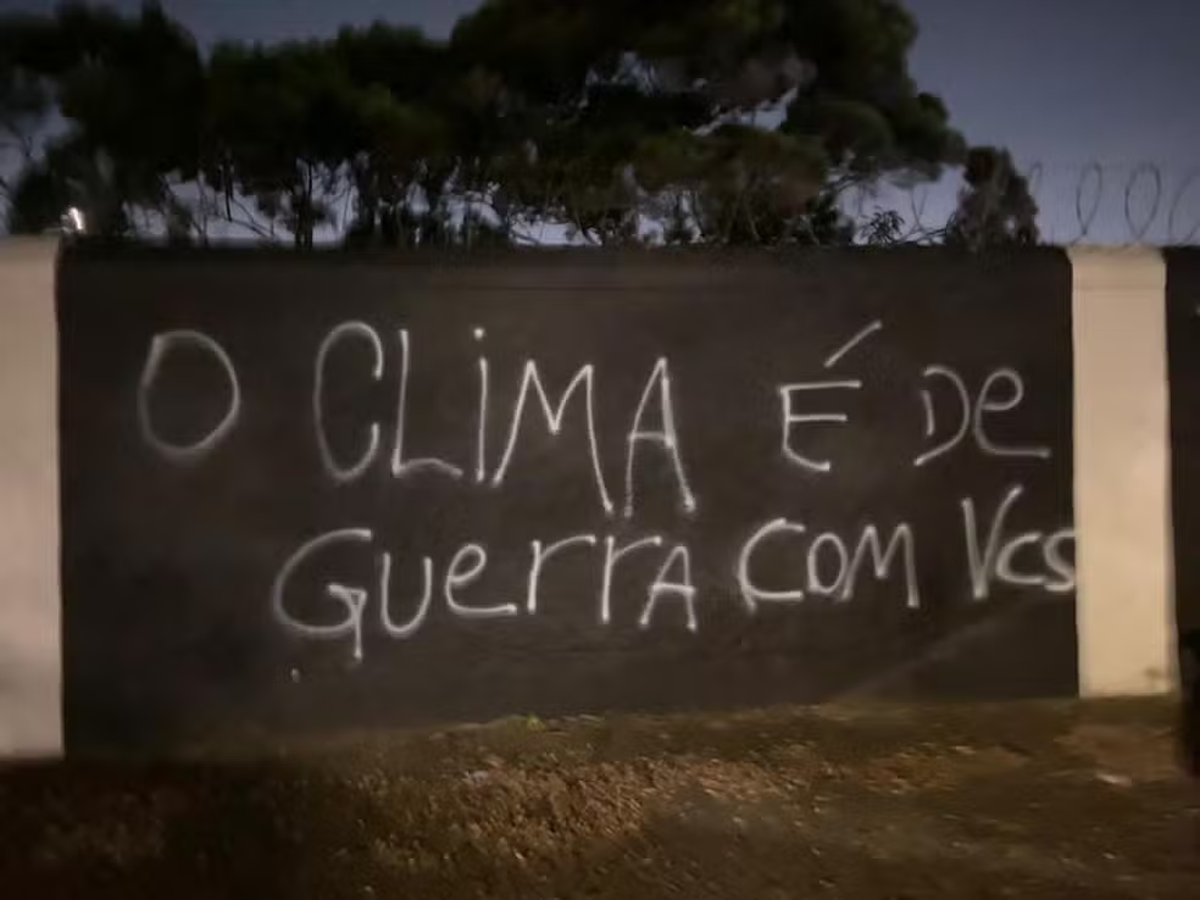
[1064, 82]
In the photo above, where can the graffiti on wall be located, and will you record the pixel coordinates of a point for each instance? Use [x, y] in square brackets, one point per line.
[329, 481]
[833, 564]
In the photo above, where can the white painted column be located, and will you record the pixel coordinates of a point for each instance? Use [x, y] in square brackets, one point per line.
[30, 670]
[1125, 604]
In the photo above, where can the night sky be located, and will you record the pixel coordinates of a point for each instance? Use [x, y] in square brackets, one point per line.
[1061, 82]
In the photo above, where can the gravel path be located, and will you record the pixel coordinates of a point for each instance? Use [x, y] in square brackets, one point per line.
[1029, 800]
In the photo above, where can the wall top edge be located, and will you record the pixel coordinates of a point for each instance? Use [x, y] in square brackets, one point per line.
[1122, 269]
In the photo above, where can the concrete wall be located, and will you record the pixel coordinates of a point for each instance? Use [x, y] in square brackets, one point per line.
[1125, 614]
[1125, 609]
[29, 595]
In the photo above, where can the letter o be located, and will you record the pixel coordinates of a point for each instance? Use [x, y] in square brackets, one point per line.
[160, 346]
[815, 584]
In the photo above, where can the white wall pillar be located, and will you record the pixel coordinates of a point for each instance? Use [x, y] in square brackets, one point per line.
[30, 670]
[1125, 602]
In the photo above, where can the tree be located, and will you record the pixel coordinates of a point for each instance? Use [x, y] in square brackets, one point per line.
[277, 130]
[731, 121]
[24, 104]
[130, 90]
[593, 87]
[402, 156]
[25, 101]
[625, 99]
[996, 207]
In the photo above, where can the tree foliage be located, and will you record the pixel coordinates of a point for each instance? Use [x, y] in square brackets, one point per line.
[995, 207]
[731, 121]
[129, 87]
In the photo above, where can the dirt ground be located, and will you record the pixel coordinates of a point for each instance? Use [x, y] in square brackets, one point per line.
[1030, 801]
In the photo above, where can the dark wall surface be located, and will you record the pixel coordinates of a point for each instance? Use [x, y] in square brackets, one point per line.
[1183, 363]
[179, 626]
